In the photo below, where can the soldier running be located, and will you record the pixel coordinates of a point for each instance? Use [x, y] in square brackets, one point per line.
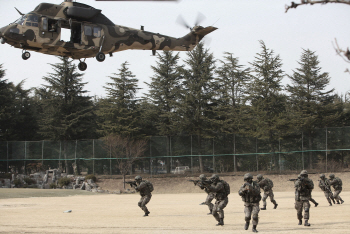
[145, 188]
[250, 193]
[266, 184]
[338, 187]
[210, 196]
[303, 189]
[221, 189]
[325, 186]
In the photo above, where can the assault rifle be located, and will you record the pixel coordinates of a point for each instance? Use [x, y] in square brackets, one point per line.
[131, 183]
[202, 182]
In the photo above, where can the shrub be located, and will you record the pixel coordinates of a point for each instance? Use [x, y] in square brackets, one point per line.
[17, 183]
[29, 181]
[64, 181]
[92, 177]
[5, 175]
[53, 186]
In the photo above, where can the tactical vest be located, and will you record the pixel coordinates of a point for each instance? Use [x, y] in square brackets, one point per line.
[226, 187]
[253, 196]
[149, 185]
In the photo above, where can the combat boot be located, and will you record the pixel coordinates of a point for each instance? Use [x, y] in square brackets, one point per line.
[254, 228]
[146, 214]
[341, 201]
[246, 226]
[203, 203]
[220, 223]
[306, 223]
[263, 208]
[211, 212]
[275, 206]
[316, 204]
[330, 203]
[300, 222]
[338, 202]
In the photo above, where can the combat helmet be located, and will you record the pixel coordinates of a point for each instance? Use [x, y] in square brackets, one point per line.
[202, 177]
[322, 176]
[248, 177]
[214, 178]
[138, 178]
[259, 177]
[331, 176]
[304, 173]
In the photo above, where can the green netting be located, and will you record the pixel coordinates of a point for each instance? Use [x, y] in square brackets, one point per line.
[321, 149]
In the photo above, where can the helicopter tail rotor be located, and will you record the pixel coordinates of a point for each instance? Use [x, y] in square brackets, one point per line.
[200, 18]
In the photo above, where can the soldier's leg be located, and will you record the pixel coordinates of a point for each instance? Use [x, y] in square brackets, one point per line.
[341, 200]
[144, 202]
[272, 198]
[255, 214]
[299, 208]
[264, 200]
[328, 195]
[306, 205]
[248, 213]
[313, 201]
[215, 212]
[210, 205]
[220, 209]
[336, 195]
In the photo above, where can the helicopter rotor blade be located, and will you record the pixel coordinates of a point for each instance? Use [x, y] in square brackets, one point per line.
[180, 20]
[200, 19]
[19, 12]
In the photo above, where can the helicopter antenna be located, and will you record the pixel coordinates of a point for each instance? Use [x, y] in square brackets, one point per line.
[19, 12]
[215, 22]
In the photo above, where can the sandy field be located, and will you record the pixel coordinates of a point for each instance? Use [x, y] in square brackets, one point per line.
[170, 214]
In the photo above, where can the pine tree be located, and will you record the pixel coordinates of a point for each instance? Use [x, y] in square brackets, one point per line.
[313, 106]
[67, 113]
[119, 112]
[198, 96]
[6, 104]
[231, 90]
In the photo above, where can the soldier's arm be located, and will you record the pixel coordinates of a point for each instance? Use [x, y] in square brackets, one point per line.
[141, 186]
[216, 188]
[242, 190]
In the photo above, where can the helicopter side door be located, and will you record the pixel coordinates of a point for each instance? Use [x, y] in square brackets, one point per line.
[92, 35]
[49, 31]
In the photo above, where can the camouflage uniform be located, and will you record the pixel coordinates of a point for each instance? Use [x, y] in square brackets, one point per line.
[250, 193]
[303, 188]
[266, 185]
[324, 184]
[210, 196]
[145, 193]
[337, 185]
[217, 187]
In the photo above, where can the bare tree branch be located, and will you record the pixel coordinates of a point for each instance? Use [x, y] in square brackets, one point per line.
[342, 53]
[305, 2]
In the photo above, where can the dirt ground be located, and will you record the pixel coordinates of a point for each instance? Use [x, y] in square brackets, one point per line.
[172, 212]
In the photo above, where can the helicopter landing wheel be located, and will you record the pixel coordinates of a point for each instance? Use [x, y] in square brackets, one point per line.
[25, 55]
[100, 57]
[82, 66]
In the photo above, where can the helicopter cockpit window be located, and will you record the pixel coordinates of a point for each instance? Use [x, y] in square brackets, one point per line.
[87, 30]
[21, 20]
[32, 20]
[97, 32]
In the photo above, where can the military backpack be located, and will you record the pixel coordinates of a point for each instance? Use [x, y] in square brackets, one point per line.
[270, 183]
[226, 187]
[149, 185]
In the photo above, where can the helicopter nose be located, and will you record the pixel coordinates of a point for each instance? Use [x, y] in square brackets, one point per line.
[2, 33]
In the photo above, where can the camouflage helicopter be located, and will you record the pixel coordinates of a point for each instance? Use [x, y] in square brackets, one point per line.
[92, 34]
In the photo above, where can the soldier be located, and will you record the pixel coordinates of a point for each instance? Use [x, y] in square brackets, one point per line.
[145, 188]
[338, 187]
[250, 193]
[221, 189]
[210, 196]
[266, 184]
[303, 188]
[325, 187]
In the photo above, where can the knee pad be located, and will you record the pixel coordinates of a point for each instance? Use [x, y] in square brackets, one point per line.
[247, 219]
[255, 217]
[139, 204]
[306, 209]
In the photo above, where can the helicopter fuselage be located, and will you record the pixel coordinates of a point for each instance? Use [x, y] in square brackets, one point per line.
[90, 33]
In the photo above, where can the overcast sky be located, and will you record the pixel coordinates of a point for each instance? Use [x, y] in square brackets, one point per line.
[241, 23]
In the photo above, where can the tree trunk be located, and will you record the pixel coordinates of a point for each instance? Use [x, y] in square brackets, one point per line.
[310, 152]
[124, 181]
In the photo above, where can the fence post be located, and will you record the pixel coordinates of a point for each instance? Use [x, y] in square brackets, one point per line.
[256, 149]
[191, 157]
[7, 153]
[214, 168]
[42, 153]
[93, 156]
[110, 159]
[25, 156]
[302, 149]
[234, 153]
[326, 149]
[279, 154]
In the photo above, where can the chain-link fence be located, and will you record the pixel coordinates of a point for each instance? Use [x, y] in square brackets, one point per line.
[321, 149]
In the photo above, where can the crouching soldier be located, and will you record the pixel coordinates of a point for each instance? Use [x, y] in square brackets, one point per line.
[145, 188]
[221, 189]
[338, 187]
[210, 196]
[266, 184]
[250, 193]
[325, 187]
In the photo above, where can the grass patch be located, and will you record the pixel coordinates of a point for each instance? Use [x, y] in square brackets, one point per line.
[26, 193]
